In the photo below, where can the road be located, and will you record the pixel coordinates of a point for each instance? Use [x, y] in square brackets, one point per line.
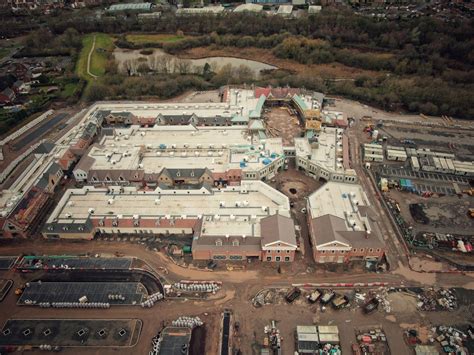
[238, 289]
[397, 253]
[89, 56]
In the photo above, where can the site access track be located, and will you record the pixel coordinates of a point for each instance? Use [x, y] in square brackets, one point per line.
[257, 274]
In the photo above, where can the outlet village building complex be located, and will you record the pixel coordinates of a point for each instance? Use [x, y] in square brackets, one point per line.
[198, 170]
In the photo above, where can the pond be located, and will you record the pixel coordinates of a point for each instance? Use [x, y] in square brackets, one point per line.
[160, 61]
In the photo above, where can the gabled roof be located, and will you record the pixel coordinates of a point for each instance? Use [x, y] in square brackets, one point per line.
[327, 228]
[257, 112]
[53, 169]
[8, 93]
[184, 173]
[299, 101]
[256, 125]
[277, 229]
[72, 227]
[238, 118]
[44, 148]
[85, 163]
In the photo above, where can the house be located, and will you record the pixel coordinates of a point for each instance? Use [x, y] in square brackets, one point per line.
[50, 178]
[278, 238]
[25, 217]
[7, 96]
[67, 160]
[19, 87]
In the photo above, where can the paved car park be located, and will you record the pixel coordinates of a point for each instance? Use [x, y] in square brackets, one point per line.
[38, 292]
[7, 262]
[408, 173]
[75, 263]
[71, 333]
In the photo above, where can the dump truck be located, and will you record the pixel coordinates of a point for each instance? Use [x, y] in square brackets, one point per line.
[327, 296]
[314, 296]
[293, 294]
[339, 301]
[371, 305]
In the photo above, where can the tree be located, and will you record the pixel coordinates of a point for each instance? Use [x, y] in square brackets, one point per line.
[96, 92]
[206, 71]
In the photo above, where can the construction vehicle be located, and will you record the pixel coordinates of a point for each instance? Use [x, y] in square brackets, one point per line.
[19, 290]
[469, 192]
[471, 212]
[293, 294]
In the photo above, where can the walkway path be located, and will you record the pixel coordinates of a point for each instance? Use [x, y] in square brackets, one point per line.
[89, 56]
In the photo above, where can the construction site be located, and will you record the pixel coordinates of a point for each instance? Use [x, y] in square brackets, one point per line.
[239, 221]
[425, 173]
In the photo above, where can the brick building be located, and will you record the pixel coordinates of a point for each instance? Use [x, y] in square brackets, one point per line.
[342, 225]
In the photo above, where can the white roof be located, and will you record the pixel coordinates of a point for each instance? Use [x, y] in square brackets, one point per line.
[285, 9]
[249, 7]
[260, 201]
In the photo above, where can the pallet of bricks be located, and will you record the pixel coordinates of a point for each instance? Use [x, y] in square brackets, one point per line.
[371, 340]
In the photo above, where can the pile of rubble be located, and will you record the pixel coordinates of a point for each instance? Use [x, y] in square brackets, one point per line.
[450, 339]
[263, 297]
[371, 341]
[436, 300]
[329, 349]
[381, 295]
[272, 339]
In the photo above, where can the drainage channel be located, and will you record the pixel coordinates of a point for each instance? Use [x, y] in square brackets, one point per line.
[225, 333]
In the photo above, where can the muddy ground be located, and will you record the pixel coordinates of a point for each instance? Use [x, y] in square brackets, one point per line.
[280, 122]
[447, 214]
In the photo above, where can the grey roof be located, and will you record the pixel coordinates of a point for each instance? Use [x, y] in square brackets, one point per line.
[44, 148]
[85, 163]
[329, 228]
[43, 182]
[89, 131]
[53, 169]
[8, 93]
[125, 114]
[102, 113]
[141, 6]
[184, 173]
[277, 228]
[248, 244]
[193, 118]
[72, 227]
[318, 97]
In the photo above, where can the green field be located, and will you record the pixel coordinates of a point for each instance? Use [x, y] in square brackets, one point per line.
[155, 38]
[4, 52]
[104, 45]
